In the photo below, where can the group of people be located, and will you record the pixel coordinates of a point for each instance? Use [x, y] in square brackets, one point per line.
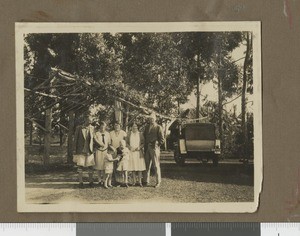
[114, 154]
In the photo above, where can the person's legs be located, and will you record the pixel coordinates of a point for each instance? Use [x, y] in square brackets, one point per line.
[102, 172]
[148, 161]
[109, 180]
[126, 178]
[100, 176]
[121, 175]
[140, 178]
[145, 172]
[114, 174]
[156, 163]
[118, 175]
[80, 179]
[106, 181]
[91, 172]
[133, 177]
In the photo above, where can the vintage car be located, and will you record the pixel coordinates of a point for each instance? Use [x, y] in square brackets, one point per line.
[195, 140]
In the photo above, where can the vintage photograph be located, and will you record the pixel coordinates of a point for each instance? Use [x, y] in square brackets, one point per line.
[139, 117]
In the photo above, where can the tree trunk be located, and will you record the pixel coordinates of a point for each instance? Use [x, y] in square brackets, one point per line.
[220, 107]
[244, 90]
[30, 134]
[126, 118]
[70, 135]
[198, 89]
[61, 135]
[47, 137]
[165, 134]
[118, 112]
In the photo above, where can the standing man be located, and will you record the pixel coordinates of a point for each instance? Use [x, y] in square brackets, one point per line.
[83, 145]
[154, 138]
[116, 136]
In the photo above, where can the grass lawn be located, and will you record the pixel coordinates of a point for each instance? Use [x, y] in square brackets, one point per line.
[193, 183]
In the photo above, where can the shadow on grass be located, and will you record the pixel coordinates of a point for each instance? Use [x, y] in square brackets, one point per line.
[224, 173]
[65, 176]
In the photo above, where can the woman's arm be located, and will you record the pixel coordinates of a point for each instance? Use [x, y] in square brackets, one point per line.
[142, 141]
[75, 139]
[97, 140]
[111, 159]
[127, 140]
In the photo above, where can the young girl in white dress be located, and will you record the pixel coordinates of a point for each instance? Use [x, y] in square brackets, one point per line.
[123, 154]
[102, 141]
[135, 141]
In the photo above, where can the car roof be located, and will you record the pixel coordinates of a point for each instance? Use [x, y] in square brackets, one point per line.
[198, 124]
[176, 123]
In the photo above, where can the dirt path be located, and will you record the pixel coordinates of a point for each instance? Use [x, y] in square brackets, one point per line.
[194, 182]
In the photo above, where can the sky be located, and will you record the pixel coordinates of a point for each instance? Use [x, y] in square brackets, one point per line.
[212, 93]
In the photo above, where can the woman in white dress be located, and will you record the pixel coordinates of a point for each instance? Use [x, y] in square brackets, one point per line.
[136, 165]
[102, 141]
[117, 135]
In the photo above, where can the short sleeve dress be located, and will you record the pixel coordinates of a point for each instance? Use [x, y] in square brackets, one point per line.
[108, 164]
[104, 140]
[136, 158]
[117, 137]
[123, 163]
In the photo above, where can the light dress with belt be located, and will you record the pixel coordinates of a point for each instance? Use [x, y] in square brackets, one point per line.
[101, 150]
[136, 159]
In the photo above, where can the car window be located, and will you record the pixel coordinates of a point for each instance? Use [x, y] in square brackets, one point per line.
[200, 133]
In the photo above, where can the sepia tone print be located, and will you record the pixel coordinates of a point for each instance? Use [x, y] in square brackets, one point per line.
[133, 117]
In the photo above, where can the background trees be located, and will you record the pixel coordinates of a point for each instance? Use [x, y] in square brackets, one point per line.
[158, 71]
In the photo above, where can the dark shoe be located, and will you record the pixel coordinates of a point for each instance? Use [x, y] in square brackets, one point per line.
[145, 184]
[80, 185]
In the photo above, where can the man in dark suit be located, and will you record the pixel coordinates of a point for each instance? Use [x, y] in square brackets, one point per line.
[154, 138]
[83, 145]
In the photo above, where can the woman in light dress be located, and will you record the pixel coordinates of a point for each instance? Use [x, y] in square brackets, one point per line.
[136, 165]
[117, 135]
[102, 141]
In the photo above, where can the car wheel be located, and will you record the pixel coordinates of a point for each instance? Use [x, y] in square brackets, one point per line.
[179, 159]
[215, 160]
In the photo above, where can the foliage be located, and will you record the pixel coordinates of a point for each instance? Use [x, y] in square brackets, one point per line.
[154, 60]
[155, 70]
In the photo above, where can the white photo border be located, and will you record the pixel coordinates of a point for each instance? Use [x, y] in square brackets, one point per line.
[146, 27]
